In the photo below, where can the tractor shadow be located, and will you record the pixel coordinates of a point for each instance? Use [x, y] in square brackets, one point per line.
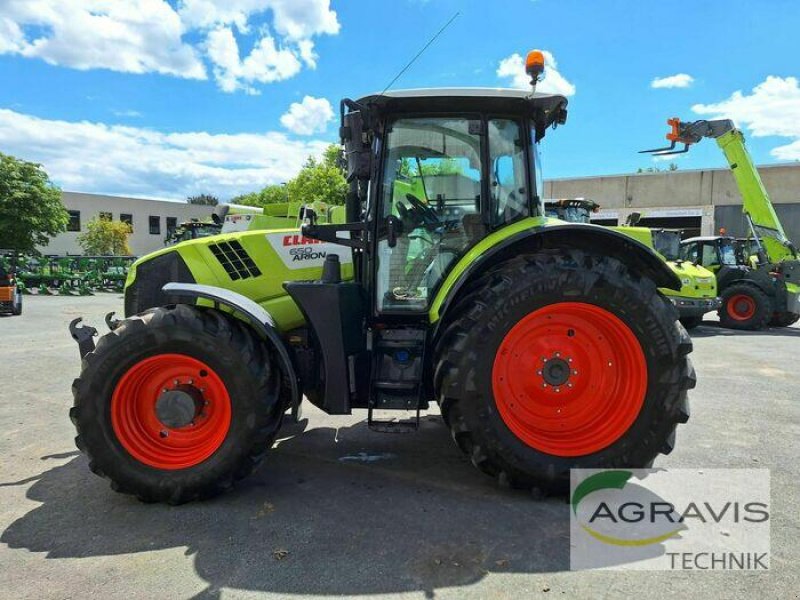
[714, 329]
[332, 511]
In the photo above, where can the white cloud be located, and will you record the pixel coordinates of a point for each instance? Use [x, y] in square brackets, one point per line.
[136, 36]
[513, 69]
[310, 116]
[151, 36]
[95, 157]
[265, 63]
[772, 108]
[681, 80]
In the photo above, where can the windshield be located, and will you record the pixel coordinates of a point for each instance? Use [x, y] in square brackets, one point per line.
[667, 243]
[727, 253]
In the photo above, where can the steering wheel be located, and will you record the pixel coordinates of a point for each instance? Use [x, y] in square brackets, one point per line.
[422, 213]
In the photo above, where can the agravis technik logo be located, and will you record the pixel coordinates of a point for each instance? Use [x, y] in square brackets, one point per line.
[715, 519]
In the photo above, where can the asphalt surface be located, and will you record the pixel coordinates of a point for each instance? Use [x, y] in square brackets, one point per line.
[337, 510]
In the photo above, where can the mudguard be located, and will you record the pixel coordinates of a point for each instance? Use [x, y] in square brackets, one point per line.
[535, 234]
[255, 314]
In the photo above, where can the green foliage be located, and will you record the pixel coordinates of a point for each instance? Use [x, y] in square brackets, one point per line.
[31, 211]
[318, 180]
[269, 195]
[203, 199]
[105, 238]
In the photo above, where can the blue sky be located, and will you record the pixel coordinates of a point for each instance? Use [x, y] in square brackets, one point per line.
[167, 98]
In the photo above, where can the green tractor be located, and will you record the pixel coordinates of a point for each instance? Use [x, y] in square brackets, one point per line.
[758, 278]
[698, 293]
[547, 345]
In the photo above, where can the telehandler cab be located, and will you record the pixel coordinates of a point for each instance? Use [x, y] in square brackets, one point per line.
[546, 344]
[758, 290]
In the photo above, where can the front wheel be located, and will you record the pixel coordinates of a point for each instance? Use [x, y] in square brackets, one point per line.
[745, 306]
[562, 360]
[176, 404]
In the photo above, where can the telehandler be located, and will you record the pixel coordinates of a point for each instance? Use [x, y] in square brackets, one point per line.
[756, 291]
[547, 345]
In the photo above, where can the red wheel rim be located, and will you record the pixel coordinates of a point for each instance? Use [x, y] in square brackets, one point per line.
[741, 307]
[594, 404]
[136, 422]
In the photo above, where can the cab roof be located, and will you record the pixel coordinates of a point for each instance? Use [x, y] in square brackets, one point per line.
[545, 108]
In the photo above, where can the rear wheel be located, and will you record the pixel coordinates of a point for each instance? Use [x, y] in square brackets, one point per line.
[691, 322]
[744, 306]
[784, 319]
[588, 370]
[176, 404]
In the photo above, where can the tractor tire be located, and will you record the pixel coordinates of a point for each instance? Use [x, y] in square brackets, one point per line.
[745, 306]
[691, 322]
[177, 404]
[784, 319]
[562, 331]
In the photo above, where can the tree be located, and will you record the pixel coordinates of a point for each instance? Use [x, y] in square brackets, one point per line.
[320, 180]
[105, 238]
[31, 211]
[203, 199]
[271, 194]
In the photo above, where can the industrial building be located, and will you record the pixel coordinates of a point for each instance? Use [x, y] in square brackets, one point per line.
[151, 220]
[699, 202]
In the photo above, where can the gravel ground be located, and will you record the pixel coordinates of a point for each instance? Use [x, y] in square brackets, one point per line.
[337, 510]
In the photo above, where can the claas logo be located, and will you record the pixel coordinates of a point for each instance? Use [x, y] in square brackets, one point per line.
[298, 240]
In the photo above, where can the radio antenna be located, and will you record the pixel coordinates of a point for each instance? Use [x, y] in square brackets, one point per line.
[425, 47]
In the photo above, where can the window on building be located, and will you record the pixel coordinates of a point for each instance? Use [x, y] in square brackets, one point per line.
[74, 223]
[155, 225]
[127, 219]
[106, 216]
[172, 225]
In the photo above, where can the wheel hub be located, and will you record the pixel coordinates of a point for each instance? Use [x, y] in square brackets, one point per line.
[179, 406]
[556, 371]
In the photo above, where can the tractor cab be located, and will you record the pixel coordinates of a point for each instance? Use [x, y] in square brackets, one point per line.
[713, 252]
[432, 173]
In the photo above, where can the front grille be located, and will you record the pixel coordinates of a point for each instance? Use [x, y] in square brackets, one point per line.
[235, 260]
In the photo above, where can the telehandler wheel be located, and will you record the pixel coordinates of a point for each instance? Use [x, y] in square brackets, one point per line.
[561, 360]
[176, 404]
[691, 322]
[784, 319]
[744, 306]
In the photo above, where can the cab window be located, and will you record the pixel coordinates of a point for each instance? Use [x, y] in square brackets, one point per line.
[710, 256]
[689, 252]
[432, 186]
[507, 178]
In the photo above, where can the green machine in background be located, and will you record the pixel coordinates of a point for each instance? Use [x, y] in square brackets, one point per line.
[759, 277]
[698, 293]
